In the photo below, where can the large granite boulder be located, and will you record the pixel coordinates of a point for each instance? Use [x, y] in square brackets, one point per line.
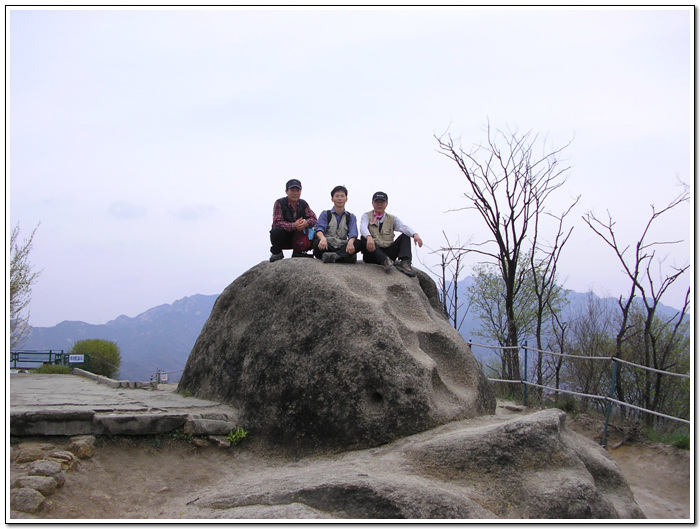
[334, 355]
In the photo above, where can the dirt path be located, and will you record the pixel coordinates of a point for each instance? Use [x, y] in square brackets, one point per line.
[134, 479]
[658, 474]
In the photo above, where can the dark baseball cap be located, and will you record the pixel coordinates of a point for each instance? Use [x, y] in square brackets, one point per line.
[380, 195]
[293, 183]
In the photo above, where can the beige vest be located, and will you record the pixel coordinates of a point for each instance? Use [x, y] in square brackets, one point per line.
[385, 237]
[337, 233]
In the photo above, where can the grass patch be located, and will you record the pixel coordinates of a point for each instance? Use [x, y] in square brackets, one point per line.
[679, 438]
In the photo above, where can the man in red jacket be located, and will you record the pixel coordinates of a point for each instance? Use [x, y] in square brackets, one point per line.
[289, 215]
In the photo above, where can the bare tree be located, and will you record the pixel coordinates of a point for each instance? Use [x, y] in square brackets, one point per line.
[22, 278]
[452, 263]
[559, 328]
[508, 185]
[549, 296]
[590, 335]
[638, 266]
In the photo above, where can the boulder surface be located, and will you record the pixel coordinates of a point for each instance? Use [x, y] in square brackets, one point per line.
[491, 467]
[335, 356]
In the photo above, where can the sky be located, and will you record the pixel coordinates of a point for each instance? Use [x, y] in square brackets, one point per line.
[149, 145]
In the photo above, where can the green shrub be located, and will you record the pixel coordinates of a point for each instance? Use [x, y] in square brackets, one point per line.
[681, 441]
[105, 357]
[567, 403]
[50, 369]
[236, 436]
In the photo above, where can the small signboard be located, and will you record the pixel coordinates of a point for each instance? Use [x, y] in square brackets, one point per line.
[163, 377]
[76, 359]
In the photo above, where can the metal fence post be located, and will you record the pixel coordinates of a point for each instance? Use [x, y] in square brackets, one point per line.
[525, 377]
[609, 405]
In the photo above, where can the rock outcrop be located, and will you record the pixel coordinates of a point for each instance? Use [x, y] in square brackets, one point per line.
[335, 356]
[529, 467]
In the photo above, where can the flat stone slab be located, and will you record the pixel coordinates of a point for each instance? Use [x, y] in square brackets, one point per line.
[75, 405]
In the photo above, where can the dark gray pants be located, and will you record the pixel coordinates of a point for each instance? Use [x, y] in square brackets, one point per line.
[343, 255]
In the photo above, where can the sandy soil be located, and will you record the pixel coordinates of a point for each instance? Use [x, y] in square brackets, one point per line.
[134, 478]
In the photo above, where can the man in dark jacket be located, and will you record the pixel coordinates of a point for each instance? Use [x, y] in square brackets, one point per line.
[290, 214]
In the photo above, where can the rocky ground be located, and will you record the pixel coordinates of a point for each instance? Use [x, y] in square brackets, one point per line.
[130, 478]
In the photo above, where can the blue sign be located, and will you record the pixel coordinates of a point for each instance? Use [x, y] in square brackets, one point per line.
[76, 359]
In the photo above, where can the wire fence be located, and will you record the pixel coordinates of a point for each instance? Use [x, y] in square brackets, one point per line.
[608, 399]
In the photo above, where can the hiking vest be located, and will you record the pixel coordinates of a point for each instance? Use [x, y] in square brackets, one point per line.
[337, 232]
[384, 237]
[288, 213]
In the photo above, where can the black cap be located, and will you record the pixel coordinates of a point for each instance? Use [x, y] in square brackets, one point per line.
[380, 195]
[293, 183]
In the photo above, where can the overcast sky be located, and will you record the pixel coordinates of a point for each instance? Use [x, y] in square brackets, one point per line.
[151, 144]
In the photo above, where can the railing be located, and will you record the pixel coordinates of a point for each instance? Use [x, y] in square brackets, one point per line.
[58, 357]
[609, 400]
[161, 377]
[50, 356]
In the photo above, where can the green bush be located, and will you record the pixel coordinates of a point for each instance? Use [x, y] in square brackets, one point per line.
[50, 369]
[679, 438]
[105, 357]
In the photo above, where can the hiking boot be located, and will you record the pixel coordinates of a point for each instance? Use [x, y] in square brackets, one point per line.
[297, 253]
[405, 266]
[388, 264]
[329, 257]
[276, 257]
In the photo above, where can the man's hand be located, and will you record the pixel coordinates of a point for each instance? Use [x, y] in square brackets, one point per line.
[370, 243]
[417, 240]
[323, 242]
[350, 247]
[300, 224]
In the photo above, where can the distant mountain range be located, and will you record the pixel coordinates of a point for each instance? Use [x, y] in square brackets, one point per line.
[162, 337]
[159, 339]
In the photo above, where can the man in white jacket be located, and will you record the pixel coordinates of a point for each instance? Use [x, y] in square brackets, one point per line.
[377, 228]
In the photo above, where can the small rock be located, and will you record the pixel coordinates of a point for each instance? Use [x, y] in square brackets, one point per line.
[202, 443]
[26, 500]
[67, 460]
[29, 454]
[219, 441]
[34, 444]
[82, 446]
[44, 484]
[47, 468]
